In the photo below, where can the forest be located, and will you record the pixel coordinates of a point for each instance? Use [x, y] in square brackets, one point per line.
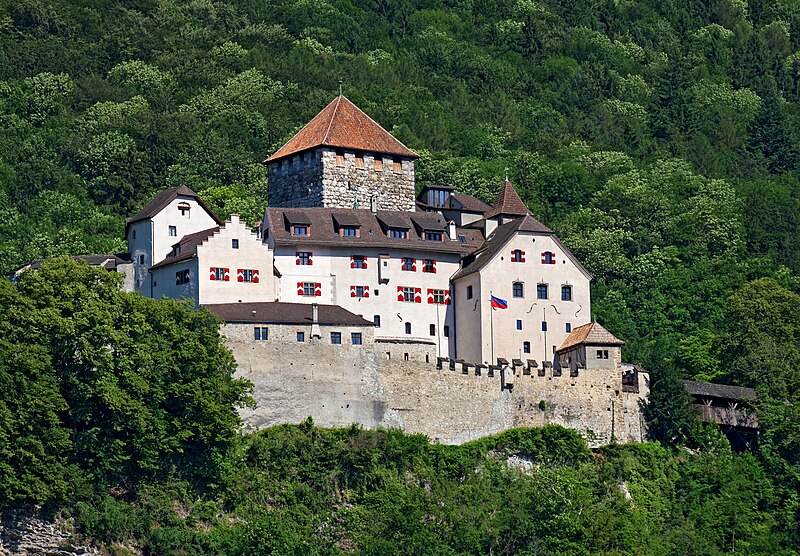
[659, 139]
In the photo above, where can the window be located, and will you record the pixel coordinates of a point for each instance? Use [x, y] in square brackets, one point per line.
[308, 289]
[261, 333]
[438, 297]
[518, 256]
[469, 292]
[518, 289]
[409, 264]
[181, 277]
[336, 338]
[548, 258]
[429, 266]
[141, 259]
[526, 347]
[359, 261]
[544, 326]
[184, 208]
[566, 293]
[348, 231]
[360, 161]
[303, 258]
[397, 167]
[173, 231]
[437, 197]
[340, 158]
[378, 164]
[408, 294]
[301, 336]
[519, 324]
[433, 330]
[446, 331]
[359, 291]
[541, 291]
[355, 338]
[462, 239]
[568, 327]
[602, 354]
[134, 234]
[234, 244]
[299, 230]
[398, 233]
[433, 236]
[408, 328]
[377, 320]
[220, 274]
[247, 275]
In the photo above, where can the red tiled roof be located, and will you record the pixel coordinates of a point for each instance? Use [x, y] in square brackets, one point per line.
[590, 333]
[508, 202]
[342, 124]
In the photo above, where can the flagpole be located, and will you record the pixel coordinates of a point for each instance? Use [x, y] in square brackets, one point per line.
[491, 323]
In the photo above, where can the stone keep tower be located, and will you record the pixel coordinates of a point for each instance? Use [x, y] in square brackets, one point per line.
[342, 159]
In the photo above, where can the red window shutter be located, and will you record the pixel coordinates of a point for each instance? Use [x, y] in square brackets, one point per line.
[227, 273]
[239, 275]
[447, 297]
[434, 266]
[400, 293]
[366, 291]
[352, 262]
[299, 288]
[297, 258]
[310, 259]
[213, 273]
[365, 263]
[417, 295]
[413, 265]
[255, 276]
[544, 257]
[430, 296]
[352, 291]
[318, 289]
[522, 259]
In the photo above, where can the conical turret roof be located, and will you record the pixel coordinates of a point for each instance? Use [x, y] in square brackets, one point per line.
[342, 124]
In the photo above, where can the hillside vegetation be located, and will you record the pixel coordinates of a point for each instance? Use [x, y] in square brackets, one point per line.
[660, 139]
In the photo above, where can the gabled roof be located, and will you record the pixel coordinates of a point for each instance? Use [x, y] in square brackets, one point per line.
[507, 202]
[186, 248]
[724, 391]
[497, 239]
[468, 203]
[162, 199]
[590, 333]
[278, 312]
[342, 124]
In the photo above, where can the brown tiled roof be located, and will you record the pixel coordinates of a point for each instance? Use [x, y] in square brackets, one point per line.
[469, 203]
[373, 229]
[590, 333]
[278, 312]
[711, 390]
[342, 124]
[495, 242]
[507, 202]
[162, 199]
[186, 248]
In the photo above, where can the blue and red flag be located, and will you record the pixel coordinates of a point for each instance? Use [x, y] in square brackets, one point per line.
[498, 303]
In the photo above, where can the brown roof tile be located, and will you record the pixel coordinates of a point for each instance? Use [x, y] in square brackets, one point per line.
[469, 203]
[186, 248]
[590, 333]
[507, 202]
[278, 312]
[342, 124]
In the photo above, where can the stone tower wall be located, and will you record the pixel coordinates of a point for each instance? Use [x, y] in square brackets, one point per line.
[313, 179]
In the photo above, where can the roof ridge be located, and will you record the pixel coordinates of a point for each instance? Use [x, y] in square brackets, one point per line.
[333, 117]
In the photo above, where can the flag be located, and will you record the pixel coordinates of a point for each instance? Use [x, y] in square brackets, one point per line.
[498, 303]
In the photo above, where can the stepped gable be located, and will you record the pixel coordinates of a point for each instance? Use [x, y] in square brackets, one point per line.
[495, 242]
[186, 248]
[508, 203]
[342, 124]
[279, 312]
[324, 223]
[162, 199]
[590, 333]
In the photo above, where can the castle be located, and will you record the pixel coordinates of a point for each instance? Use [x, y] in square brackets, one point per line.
[358, 301]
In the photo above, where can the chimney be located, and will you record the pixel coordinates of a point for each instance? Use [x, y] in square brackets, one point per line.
[234, 218]
[451, 230]
[316, 332]
[373, 204]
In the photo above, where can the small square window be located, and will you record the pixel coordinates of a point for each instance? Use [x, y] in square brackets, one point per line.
[348, 231]
[359, 261]
[398, 233]
[299, 230]
[409, 264]
[173, 231]
[429, 266]
[303, 258]
[408, 328]
[433, 236]
[336, 338]
[469, 292]
[566, 293]
[519, 324]
[518, 289]
[355, 338]
[526, 347]
[301, 336]
[234, 244]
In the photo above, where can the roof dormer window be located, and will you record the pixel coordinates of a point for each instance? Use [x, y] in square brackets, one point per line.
[349, 231]
[184, 209]
[300, 230]
[431, 235]
[398, 233]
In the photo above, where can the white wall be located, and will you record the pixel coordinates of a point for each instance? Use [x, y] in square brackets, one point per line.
[163, 280]
[140, 246]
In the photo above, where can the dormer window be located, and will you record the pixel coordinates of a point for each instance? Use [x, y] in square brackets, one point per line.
[433, 236]
[299, 230]
[184, 209]
[349, 231]
[398, 233]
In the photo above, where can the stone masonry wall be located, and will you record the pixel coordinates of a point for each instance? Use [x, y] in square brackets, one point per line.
[296, 181]
[342, 385]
